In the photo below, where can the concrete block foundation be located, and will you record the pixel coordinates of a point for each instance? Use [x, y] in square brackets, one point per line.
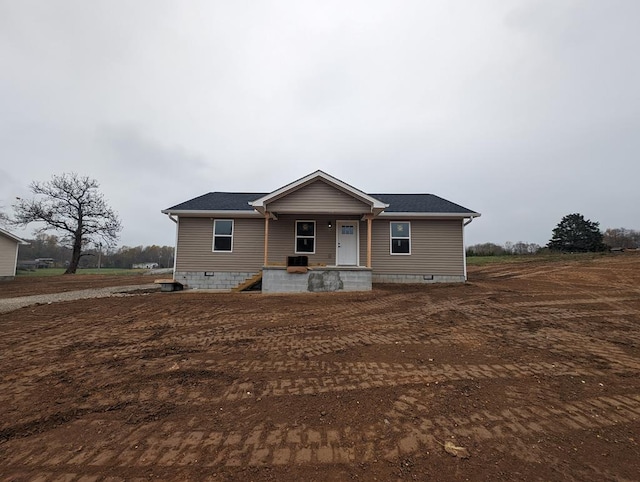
[278, 280]
[416, 278]
[211, 280]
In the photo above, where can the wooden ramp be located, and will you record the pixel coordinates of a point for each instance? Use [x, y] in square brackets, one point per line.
[249, 283]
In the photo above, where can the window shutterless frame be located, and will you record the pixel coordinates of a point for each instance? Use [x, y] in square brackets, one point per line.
[400, 238]
[305, 242]
[223, 235]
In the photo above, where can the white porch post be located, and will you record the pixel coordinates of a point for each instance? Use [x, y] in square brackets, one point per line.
[369, 221]
[266, 238]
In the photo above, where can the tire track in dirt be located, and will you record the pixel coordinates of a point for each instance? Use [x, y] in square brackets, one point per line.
[286, 444]
[519, 370]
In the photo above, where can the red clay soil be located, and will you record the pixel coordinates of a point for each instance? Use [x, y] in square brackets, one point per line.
[529, 371]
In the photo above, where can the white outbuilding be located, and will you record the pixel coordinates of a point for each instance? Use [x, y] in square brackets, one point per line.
[8, 254]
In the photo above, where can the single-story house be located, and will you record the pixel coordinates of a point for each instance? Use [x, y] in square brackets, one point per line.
[318, 234]
[8, 254]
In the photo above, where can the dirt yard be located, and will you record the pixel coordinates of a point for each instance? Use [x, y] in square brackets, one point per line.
[531, 370]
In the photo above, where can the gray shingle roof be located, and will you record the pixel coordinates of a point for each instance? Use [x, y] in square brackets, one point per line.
[419, 203]
[398, 203]
[219, 201]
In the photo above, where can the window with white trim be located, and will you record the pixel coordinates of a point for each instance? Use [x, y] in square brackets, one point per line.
[223, 235]
[400, 237]
[305, 237]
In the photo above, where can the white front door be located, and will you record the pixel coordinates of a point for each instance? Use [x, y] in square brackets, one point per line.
[347, 243]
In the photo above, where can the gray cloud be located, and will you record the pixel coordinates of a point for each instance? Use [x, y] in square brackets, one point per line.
[523, 110]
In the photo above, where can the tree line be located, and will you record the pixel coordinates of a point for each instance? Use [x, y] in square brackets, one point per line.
[621, 238]
[49, 246]
[573, 234]
[509, 248]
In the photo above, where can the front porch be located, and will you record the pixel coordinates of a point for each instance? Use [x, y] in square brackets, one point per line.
[335, 251]
[328, 223]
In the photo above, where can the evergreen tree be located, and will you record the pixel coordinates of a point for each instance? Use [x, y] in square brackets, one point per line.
[577, 234]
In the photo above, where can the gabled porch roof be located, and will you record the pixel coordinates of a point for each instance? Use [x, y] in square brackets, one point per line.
[261, 204]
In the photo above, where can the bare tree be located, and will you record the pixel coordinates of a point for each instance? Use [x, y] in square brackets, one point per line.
[485, 249]
[520, 248]
[508, 247]
[622, 238]
[72, 205]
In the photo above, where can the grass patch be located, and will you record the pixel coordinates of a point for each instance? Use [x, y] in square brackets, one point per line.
[533, 258]
[83, 271]
[484, 260]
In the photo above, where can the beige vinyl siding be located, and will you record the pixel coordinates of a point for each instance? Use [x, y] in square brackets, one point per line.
[282, 239]
[436, 248]
[8, 251]
[318, 197]
[195, 246]
[436, 245]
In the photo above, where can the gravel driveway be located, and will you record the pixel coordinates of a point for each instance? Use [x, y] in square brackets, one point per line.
[11, 304]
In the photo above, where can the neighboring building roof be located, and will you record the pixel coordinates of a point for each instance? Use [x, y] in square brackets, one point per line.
[12, 236]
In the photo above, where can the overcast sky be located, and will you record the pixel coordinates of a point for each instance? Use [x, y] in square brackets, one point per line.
[522, 110]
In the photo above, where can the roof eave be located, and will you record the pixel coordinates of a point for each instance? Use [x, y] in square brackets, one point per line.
[204, 213]
[13, 237]
[428, 215]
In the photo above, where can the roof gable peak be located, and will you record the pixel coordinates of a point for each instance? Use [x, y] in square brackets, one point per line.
[260, 204]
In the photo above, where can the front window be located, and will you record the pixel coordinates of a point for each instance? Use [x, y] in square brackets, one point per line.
[400, 238]
[223, 235]
[305, 237]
